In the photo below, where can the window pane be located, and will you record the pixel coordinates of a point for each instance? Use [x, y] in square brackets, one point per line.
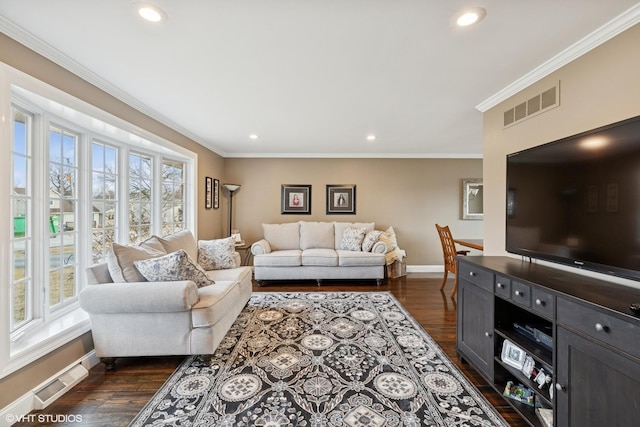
[19, 297]
[63, 212]
[20, 303]
[105, 201]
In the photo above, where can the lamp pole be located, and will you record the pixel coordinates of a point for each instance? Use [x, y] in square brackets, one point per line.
[231, 188]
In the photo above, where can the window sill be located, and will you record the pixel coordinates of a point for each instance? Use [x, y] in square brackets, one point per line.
[45, 339]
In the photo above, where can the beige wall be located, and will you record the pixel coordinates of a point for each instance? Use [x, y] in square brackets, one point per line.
[409, 194]
[599, 88]
[209, 221]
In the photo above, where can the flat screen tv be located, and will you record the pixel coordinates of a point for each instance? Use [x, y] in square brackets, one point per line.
[576, 201]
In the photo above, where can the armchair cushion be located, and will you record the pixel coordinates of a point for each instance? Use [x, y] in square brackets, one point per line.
[121, 261]
[174, 266]
[217, 254]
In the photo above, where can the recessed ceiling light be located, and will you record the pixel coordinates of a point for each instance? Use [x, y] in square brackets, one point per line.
[470, 16]
[150, 12]
[253, 136]
[371, 137]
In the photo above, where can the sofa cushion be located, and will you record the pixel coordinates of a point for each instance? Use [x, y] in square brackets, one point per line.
[356, 259]
[370, 239]
[320, 257]
[213, 302]
[352, 239]
[217, 254]
[181, 240]
[174, 266]
[121, 259]
[289, 258]
[316, 235]
[282, 236]
[339, 228]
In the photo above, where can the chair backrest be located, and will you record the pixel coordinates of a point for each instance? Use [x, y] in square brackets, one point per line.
[448, 248]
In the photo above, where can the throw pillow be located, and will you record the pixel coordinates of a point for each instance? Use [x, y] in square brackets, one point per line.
[121, 262]
[217, 254]
[370, 239]
[174, 266]
[352, 239]
[181, 240]
[389, 237]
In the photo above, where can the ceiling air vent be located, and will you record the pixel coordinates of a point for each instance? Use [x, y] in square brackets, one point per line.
[536, 105]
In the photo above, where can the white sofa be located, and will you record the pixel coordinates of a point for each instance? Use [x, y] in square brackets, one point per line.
[166, 317]
[320, 250]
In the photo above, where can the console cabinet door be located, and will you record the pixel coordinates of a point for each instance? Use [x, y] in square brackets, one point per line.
[475, 326]
[596, 385]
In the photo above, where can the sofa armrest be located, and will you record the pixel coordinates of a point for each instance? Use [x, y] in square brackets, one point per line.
[261, 247]
[139, 297]
[380, 248]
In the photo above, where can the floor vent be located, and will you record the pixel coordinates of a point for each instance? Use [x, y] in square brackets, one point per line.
[59, 385]
[540, 103]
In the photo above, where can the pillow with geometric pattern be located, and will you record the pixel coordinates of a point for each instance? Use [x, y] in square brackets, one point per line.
[174, 266]
[217, 254]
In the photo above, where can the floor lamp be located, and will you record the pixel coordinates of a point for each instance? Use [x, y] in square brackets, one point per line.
[231, 188]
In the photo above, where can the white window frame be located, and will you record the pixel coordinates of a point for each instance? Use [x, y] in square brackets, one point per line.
[51, 332]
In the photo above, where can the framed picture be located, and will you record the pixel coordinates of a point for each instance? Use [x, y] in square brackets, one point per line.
[512, 355]
[296, 199]
[216, 194]
[208, 192]
[472, 198]
[341, 199]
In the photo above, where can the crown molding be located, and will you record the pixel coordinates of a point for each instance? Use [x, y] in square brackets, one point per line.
[609, 30]
[35, 44]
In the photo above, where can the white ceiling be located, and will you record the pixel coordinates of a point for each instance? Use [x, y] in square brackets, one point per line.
[315, 77]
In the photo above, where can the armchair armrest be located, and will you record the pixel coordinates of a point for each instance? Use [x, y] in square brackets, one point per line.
[139, 297]
[261, 247]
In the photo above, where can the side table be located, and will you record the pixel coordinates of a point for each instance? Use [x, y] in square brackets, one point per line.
[242, 246]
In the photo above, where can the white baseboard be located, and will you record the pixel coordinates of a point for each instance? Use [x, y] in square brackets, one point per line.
[28, 402]
[425, 268]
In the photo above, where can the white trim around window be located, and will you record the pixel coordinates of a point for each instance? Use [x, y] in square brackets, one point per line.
[50, 330]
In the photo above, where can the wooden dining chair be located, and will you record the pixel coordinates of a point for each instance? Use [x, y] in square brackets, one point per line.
[449, 252]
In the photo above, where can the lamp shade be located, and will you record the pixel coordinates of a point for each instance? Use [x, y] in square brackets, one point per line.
[232, 188]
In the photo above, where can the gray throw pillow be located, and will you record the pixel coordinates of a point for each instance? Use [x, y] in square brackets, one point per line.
[217, 254]
[174, 266]
[352, 239]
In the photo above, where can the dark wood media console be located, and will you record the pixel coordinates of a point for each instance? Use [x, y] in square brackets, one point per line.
[592, 356]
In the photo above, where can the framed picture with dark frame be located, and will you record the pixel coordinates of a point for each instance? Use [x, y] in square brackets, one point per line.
[341, 199]
[216, 193]
[296, 199]
[208, 192]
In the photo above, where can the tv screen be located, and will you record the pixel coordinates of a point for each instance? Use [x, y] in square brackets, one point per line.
[576, 201]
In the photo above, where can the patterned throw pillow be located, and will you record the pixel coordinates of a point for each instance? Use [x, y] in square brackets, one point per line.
[217, 254]
[370, 239]
[352, 239]
[174, 266]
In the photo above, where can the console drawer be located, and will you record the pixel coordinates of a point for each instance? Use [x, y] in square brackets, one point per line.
[503, 286]
[521, 293]
[600, 326]
[478, 276]
[543, 303]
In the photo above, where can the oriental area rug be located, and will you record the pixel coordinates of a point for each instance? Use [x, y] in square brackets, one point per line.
[320, 359]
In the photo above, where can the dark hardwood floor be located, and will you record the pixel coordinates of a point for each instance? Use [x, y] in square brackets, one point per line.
[113, 398]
